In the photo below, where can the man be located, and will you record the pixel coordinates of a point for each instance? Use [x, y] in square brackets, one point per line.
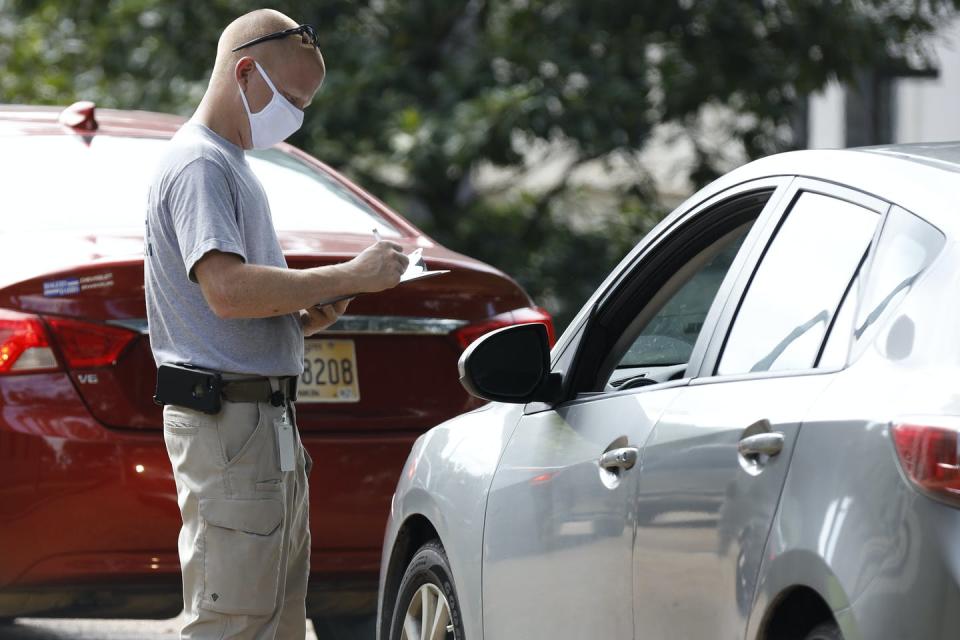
[221, 299]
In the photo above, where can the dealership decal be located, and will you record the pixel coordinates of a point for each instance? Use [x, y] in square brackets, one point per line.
[63, 287]
[70, 286]
[96, 282]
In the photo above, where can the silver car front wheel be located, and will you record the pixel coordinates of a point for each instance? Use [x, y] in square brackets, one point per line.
[428, 616]
[426, 606]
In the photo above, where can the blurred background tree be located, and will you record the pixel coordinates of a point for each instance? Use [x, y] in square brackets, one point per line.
[511, 130]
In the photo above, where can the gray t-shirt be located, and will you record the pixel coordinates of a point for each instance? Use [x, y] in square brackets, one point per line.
[205, 197]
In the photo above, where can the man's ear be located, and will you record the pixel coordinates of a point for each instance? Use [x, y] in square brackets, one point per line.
[242, 71]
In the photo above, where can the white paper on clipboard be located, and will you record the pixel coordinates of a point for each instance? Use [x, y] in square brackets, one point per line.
[416, 270]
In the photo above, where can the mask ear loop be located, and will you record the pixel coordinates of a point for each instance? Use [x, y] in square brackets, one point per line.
[243, 96]
[266, 77]
[276, 94]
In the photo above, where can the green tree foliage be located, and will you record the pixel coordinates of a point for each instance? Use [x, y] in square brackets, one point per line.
[444, 107]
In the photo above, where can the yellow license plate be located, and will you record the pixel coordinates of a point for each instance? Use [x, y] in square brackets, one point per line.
[329, 372]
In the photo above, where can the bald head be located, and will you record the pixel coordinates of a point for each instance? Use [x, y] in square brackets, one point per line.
[292, 50]
[292, 64]
[252, 25]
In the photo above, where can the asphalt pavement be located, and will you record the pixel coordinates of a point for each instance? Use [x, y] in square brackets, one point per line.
[62, 629]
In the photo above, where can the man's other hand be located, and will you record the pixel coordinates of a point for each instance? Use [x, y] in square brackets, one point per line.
[379, 266]
[317, 319]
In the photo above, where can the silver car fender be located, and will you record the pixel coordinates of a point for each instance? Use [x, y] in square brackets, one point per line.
[442, 492]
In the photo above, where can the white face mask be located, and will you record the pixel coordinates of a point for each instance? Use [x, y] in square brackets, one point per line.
[275, 122]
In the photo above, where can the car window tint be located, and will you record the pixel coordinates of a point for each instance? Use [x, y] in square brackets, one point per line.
[798, 286]
[61, 183]
[906, 247]
[669, 337]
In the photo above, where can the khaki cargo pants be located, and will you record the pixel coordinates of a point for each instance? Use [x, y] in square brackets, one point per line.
[245, 541]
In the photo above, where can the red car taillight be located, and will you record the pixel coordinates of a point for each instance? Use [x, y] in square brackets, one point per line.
[24, 345]
[929, 457]
[466, 335]
[86, 345]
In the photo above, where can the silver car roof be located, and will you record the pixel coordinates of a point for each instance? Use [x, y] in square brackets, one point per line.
[921, 178]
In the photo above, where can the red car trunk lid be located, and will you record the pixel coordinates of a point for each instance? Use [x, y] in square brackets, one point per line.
[404, 341]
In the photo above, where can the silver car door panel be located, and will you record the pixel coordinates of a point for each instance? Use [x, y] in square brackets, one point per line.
[558, 544]
[704, 506]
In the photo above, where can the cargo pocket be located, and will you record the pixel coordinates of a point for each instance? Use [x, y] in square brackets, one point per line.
[241, 555]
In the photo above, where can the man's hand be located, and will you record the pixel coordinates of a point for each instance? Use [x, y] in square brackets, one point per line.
[317, 319]
[379, 266]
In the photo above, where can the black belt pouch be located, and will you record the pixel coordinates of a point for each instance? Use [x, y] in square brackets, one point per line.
[189, 386]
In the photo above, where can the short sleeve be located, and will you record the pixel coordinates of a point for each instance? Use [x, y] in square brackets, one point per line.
[203, 210]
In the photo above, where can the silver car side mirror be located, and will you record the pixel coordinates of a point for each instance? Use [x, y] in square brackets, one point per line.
[511, 365]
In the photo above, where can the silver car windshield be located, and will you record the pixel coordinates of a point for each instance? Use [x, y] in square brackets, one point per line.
[60, 183]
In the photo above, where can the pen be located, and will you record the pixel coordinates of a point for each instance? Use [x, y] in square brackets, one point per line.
[376, 235]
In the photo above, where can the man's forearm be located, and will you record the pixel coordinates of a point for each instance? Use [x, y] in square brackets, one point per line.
[235, 289]
[256, 291]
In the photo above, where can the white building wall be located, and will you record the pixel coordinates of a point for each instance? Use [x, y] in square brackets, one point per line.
[826, 118]
[924, 109]
[928, 110]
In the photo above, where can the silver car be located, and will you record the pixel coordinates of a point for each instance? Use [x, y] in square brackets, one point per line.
[749, 430]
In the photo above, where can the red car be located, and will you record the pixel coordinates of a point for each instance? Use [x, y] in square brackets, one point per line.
[88, 512]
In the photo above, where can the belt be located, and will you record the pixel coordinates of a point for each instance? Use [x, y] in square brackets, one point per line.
[259, 390]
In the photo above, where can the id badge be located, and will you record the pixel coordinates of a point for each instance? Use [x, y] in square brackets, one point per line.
[285, 442]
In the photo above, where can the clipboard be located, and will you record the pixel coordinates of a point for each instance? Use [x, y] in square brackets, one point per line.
[416, 270]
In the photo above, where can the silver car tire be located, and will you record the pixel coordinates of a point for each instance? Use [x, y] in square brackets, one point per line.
[427, 607]
[826, 631]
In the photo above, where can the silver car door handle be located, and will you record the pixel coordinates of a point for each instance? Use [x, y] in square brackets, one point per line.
[623, 458]
[761, 444]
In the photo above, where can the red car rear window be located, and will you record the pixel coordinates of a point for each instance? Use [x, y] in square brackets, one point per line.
[59, 183]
